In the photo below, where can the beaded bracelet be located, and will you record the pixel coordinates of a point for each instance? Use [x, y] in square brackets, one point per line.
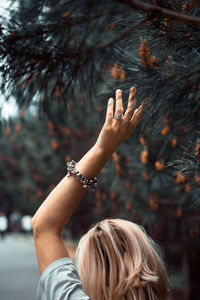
[87, 183]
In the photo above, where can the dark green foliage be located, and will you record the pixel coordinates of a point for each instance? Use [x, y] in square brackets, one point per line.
[66, 58]
[53, 52]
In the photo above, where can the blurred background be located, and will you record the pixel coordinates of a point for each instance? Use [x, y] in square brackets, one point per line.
[60, 63]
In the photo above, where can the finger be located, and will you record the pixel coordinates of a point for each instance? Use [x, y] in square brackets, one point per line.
[109, 112]
[119, 102]
[132, 98]
[131, 104]
[138, 113]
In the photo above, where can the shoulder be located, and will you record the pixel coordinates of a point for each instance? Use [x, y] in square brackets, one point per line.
[60, 280]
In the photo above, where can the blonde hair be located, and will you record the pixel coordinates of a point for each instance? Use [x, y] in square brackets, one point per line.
[116, 260]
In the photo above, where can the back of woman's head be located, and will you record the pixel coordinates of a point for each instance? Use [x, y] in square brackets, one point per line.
[117, 260]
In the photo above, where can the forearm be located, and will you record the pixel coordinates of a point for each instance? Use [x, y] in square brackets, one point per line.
[58, 207]
[56, 210]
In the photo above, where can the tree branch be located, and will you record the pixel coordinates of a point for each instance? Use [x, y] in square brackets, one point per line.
[158, 11]
[68, 22]
[126, 33]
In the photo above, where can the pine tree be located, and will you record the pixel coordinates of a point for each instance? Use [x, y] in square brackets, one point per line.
[67, 58]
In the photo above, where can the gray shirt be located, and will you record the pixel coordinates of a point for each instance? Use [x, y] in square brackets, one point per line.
[60, 281]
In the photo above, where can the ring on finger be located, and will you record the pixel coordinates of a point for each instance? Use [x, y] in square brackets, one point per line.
[117, 116]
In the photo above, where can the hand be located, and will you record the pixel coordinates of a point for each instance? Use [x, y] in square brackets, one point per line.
[116, 131]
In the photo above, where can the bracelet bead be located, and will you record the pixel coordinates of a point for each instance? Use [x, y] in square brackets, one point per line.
[87, 183]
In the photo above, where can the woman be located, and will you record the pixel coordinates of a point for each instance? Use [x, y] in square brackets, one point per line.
[115, 259]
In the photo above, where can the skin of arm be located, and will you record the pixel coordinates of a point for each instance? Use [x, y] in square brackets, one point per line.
[58, 207]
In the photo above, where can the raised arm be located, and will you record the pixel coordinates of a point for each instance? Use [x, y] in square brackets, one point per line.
[58, 207]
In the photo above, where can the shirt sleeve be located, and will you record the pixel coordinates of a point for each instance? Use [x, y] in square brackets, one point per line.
[60, 281]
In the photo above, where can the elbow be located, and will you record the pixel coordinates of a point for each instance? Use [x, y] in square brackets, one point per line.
[41, 227]
[35, 227]
[38, 226]
[33, 221]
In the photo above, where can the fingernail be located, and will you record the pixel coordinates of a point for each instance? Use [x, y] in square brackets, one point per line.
[141, 107]
[132, 89]
[118, 91]
[110, 101]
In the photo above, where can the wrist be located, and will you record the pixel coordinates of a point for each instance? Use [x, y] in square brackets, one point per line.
[103, 152]
[93, 161]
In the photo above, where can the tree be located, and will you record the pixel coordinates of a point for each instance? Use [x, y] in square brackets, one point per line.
[68, 57]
